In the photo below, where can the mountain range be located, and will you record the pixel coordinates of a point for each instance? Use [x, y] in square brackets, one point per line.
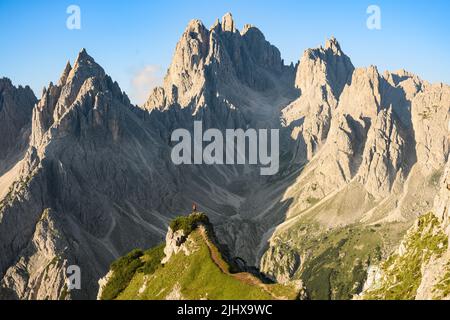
[86, 176]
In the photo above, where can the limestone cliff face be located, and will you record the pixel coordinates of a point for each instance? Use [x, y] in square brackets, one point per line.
[16, 105]
[280, 263]
[93, 165]
[321, 76]
[381, 132]
[228, 78]
[430, 118]
[40, 272]
[442, 202]
[384, 163]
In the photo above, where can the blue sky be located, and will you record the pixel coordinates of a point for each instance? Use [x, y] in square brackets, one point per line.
[134, 40]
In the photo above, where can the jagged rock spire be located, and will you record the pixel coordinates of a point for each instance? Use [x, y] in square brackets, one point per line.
[246, 28]
[83, 54]
[224, 53]
[76, 84]
[228, 23]
[322, 66]
[333, 45]
[65, 74]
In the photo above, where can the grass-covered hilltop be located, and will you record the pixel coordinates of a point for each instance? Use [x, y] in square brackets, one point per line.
[190, 265]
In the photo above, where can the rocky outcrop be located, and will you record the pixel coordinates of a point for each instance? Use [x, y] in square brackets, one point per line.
[174, 243]
[103, 282]
[434, 282]
[435, 274]
[280, 263]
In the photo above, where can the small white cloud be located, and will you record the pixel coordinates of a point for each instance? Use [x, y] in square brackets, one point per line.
[143, 81]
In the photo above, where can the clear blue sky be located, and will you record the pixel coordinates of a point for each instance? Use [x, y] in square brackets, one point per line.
[129, 37]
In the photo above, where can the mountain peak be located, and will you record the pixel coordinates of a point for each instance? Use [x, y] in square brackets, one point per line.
[84, 66]
[195, 25]
[83, 53]
[333, 45]
[16, 105]
[84, 56]
[5, 83]
[247, 27]
[215, 25]
[68, 66]
[322, 65]
[65, 74]
[228, 23]
[203, 56]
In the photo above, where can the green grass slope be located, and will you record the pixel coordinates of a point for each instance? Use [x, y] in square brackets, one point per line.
[201, 274]
[335, 261]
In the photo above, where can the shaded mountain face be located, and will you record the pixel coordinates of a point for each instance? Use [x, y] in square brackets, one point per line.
[95, 178]
[90, 173]
[16, 105]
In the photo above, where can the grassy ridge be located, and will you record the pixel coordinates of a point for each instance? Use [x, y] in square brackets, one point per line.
[200, 274]
[196, 276]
